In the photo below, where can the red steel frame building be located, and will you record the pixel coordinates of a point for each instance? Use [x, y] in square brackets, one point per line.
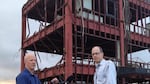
[72, 27]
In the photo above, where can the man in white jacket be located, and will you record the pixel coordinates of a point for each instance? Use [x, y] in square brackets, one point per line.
[105, 69]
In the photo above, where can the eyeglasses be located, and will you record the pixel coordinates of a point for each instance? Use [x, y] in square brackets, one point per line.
[96, 53]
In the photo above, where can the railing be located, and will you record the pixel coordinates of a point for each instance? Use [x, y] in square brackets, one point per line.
[138, 64]
[132, 64]
[147, 1]
[139, 30]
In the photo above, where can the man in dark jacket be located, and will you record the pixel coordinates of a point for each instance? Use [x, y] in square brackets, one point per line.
[27, 76]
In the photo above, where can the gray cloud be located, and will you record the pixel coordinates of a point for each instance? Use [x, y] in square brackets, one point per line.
[10, 38]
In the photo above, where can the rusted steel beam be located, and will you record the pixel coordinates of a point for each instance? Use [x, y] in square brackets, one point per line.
[68, 39]
[122, 43]
[87, 69]
[59, 70]
[103, 28]
[42, 33]
[121, 32]
[29, 5]
[141, 38]
[22, 40]
[22, 59]
[141, 3]
[51, 72]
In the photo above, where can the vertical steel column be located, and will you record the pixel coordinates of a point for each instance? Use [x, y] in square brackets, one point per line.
[23, 38]
[22, 59]
[121, 18]
[121, 33]
[68, 39]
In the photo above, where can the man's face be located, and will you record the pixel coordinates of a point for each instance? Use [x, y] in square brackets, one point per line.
[97, 55]
[30, 62]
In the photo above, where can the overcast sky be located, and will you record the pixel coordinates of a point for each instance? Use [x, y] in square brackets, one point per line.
[10, 35]
[10, 39]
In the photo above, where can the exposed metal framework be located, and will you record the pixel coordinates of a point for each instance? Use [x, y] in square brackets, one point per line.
[71, 27]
